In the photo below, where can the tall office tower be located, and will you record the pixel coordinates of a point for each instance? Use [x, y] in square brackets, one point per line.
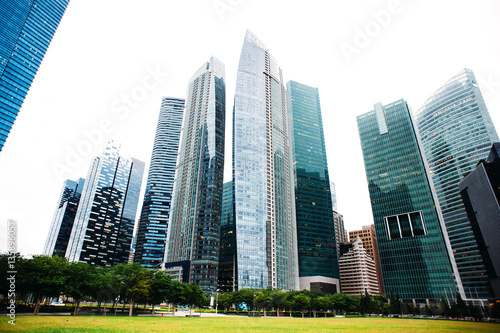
[340, 232]
[480, 191]
[357, 271]
[104, 223]
[457, 131]
[194, 230]
[262, 173]
[333, 191]
[152, 230]
[316, 242]
[413, 245]
[369, 238]
[227, 241]
[26, 29]
[64, 217]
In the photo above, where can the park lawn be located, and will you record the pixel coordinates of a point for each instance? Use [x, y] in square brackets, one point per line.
[40, 324]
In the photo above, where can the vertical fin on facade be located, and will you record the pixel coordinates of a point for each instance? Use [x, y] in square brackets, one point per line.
[379, 112]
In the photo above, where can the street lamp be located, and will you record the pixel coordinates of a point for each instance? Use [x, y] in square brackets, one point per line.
[217, 301]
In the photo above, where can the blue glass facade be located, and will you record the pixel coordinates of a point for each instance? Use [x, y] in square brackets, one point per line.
[152, 230]
[26, 29]
[457, 132]
[104, 223]
[64, 217]
[316, 241]
[262, 173]
[414, 251]
[227, 255]
[194, 227]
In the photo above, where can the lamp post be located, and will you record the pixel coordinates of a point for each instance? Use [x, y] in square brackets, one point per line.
[217, 301]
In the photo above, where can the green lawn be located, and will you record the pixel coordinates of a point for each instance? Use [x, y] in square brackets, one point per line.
[236, 324]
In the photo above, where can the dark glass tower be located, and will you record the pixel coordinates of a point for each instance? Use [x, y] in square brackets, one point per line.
[104, 223]
[152, 230]
[26, 29]
[64, 217]
[227, 261]
[457, 132]
[317, 251]
[414, 250]
[262, 173]
[194, 227]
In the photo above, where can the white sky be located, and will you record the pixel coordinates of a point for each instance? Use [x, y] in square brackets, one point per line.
[104, 50]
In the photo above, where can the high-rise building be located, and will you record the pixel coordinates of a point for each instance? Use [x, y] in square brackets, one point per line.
[480, 191]
[262, 173]
[194, 227]
[152, 229]
[414, 250]
[26, 30]
[369, 238]
[104, 223]
[316, 242]
[357, 271]
[64, 217]
[340, 232]
[457, 131]
[227, 253]
[333, 191]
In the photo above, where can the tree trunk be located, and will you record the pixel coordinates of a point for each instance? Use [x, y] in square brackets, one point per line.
[290, 313]
[37, 305]
[303, 313]
[264, 309]
[277, 312]
[123, 308]
[314, 311]
[76, 307]
[131, 307]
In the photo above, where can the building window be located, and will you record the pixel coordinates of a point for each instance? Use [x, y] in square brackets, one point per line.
[405, 225]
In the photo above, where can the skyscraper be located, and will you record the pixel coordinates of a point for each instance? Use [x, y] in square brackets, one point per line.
[104, 223]
[316, 242]
[262, 173]
[152, 230]
[194, 230]
[369, 238]
[64, 217]
[457, 132]
[480, 191]
[414, 249]
[227, 255]
[26, 29]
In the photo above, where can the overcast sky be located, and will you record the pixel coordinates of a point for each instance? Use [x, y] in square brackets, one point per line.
[111, 61]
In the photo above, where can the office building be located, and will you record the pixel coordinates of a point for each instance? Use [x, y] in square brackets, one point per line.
[194, 227]
[26, 30]
[64, 217]
[414, 250]
[227, 255]
[357, 271]
[316, 242]
[369, 238]
[262, 173]
[480, 191]
[457, 132]
[340, 232]
[152, 229]
[104, 223]
[333, 191]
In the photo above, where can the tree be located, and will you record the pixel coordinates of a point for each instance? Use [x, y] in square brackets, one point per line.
[301, 302]
[136, 282]
[160, 288]
[263, 299]
[194, 296]
[365, 303]
[81, 281]
[225, 300]
[445, 307]
[339, 302]
[323, 303]
[44, 276]
[278, 300]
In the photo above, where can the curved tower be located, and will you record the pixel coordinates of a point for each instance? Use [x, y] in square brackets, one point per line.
[262, 173]
[456, 132]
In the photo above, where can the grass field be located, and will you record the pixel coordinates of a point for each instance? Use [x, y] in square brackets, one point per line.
[40, 324]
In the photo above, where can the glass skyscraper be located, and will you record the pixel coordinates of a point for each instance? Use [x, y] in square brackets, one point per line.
[414, 251]
[104, 223]
[227, 255]
[194, 227]
[262, 173]
[457, 132]
[152, 230]
[316, 241]
[64, 217]
[26, 29]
